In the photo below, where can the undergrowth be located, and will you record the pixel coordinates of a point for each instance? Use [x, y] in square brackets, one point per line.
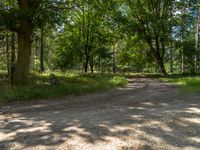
[68, 84]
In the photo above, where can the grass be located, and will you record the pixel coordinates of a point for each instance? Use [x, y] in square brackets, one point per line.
[69, 84]
[142, 75]
[187, 84]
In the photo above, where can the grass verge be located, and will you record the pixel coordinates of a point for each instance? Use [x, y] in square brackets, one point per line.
[187, 84]
[69, 84]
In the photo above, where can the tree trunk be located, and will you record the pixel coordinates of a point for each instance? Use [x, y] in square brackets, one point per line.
[182, 60]
[161, 65]
[92, 64]
[160, 54]
[162, 68]
[71, 60]
[114, 59]
[99, 64]
[24, 40]
[42, 50]
[171, 58]
[158, 57]
[7, 54]
[12, 61]
[182, 39]
[86, 64]
[24, 53]
[197, 39]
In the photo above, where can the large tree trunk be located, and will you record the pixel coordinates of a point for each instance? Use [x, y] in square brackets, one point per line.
[159, 54]
[160, 63]
[24, 40]
[24, 53]
[158, 58]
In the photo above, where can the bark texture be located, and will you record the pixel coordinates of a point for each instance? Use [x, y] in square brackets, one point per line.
[24, 40]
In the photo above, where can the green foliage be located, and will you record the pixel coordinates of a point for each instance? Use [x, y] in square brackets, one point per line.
[134, 56]
[152, 23]
[69, 84]
[187, 84]
[104, 36]
[88, 35]
[190, 53]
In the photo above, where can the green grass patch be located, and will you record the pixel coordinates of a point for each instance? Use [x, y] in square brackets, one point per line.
[187, 84]
[69, 84]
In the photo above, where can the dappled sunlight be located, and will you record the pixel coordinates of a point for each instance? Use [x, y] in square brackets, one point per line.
[192, 120]
[138, 117]
[147, 103]
[121, 120]
[164, 104]
[132, 86]
[132, 128]
[194, 110]
[195, 139]
[140, 108]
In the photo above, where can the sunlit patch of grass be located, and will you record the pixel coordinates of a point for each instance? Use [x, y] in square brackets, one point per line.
[142, 75]
[187, 84]
[69, 84]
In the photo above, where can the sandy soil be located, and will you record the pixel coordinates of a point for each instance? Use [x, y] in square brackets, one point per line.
[145, 115]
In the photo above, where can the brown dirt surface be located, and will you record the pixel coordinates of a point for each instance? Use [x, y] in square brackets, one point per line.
[146, 115]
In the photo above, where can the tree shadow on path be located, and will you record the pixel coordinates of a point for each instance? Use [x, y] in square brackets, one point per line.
[156, 116]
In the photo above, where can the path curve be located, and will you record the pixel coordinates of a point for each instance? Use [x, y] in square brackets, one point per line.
[146, 115]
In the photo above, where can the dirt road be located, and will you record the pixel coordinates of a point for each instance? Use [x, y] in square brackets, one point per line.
[145, 115]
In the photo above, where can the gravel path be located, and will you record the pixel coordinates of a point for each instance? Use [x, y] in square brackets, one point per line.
[145, 115]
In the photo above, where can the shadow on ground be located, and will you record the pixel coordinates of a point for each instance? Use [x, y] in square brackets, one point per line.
[147, 115]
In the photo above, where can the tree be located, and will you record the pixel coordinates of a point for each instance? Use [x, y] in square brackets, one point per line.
[42, 50]
[86, 31]
[24, 33]
[184, 14]
[19, 17]
[23, 17]
[197, 37]
[152, 22]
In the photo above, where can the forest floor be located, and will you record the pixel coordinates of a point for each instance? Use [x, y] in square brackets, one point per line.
[146, 115]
